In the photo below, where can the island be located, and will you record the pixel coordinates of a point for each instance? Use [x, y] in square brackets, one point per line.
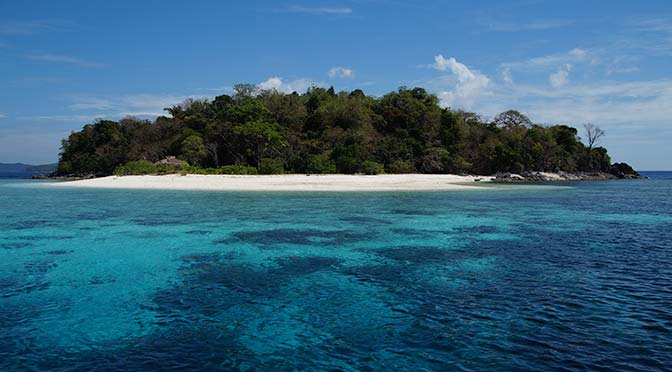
[404, 134]
[21, 170]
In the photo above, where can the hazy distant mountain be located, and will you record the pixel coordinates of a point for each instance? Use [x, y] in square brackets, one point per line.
[43, 168]
[20, 169]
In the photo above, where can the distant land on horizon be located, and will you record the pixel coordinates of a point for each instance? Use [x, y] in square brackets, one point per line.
[24, 170]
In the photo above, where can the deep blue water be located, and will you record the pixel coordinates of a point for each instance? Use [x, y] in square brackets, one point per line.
[571, 277]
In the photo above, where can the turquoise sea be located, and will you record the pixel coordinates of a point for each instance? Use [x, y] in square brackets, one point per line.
[568, 277]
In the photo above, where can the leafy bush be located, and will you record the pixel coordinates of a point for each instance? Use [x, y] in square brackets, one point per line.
[169, 168]
[237, 169]
[142, 167]
[371, 168]
[227, 169]
[435, 160]
[350, 154]
[321, 164]
[459, 165]
[139, 167]
[65, 167]
[193, 149]
[400, 166]
[271, 166]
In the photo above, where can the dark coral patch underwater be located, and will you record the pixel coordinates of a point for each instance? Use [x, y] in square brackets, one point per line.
[300, 237]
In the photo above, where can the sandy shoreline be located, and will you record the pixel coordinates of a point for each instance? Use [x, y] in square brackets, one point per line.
[293, 182]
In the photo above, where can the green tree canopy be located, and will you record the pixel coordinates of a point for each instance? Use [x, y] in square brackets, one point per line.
[324, 131]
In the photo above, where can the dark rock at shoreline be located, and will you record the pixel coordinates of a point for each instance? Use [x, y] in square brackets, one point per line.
[617, 171]
[550, 177]
[62, 178]
[624, 170]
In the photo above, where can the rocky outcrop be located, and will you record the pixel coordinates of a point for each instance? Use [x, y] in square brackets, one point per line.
[618, 170]
[550, 177]
[623, 170]
[70, 177]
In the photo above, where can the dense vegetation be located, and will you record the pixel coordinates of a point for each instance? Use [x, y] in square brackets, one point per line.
[323, 131]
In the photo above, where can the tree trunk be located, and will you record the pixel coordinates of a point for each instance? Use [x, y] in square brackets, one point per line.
[213, 149]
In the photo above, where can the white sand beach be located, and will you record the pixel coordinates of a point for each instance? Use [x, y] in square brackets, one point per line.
[293, 182]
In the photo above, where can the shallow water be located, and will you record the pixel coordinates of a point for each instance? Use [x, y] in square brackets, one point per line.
[510, 278]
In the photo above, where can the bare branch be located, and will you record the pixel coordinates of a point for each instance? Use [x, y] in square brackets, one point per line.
[593, 134]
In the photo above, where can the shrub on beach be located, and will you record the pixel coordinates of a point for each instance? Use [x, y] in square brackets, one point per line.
[169, 168]
[227, 169]
[321, 164]
[144, 167]
[271, 166]
[237, 169]
[400, 166]
[371, 168]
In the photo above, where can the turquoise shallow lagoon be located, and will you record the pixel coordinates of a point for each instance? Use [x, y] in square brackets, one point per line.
[507, 278]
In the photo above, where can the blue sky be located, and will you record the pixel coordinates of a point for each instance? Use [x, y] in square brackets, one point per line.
[66, 63]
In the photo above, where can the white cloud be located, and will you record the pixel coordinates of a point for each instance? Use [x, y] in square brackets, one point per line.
[632, 102]
[625, 109]
[578, 53]
[617, 106]
[596, 61]
[635, 114]
[308, 10]
[341, 72]
[33, 27]
[47, 57]
[622, 70]
[654, 25]
[87, 108]
[271, 83]
[151, 104]
[277, 83]
[90, 107]
[561, 76]
[66, 118]
[573, 56]
[2, 115]
[470, 86]
[92, 103]
[531, 26]
[546, 62]
[506, 75]
[651, 35]
[225, 89]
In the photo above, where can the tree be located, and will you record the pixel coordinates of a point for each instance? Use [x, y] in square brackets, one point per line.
[321, 164]
[324, 131]
[435, 160]
[260, 139]
[244, 91]
[193, 149]
[512, 118]
[593, 134]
